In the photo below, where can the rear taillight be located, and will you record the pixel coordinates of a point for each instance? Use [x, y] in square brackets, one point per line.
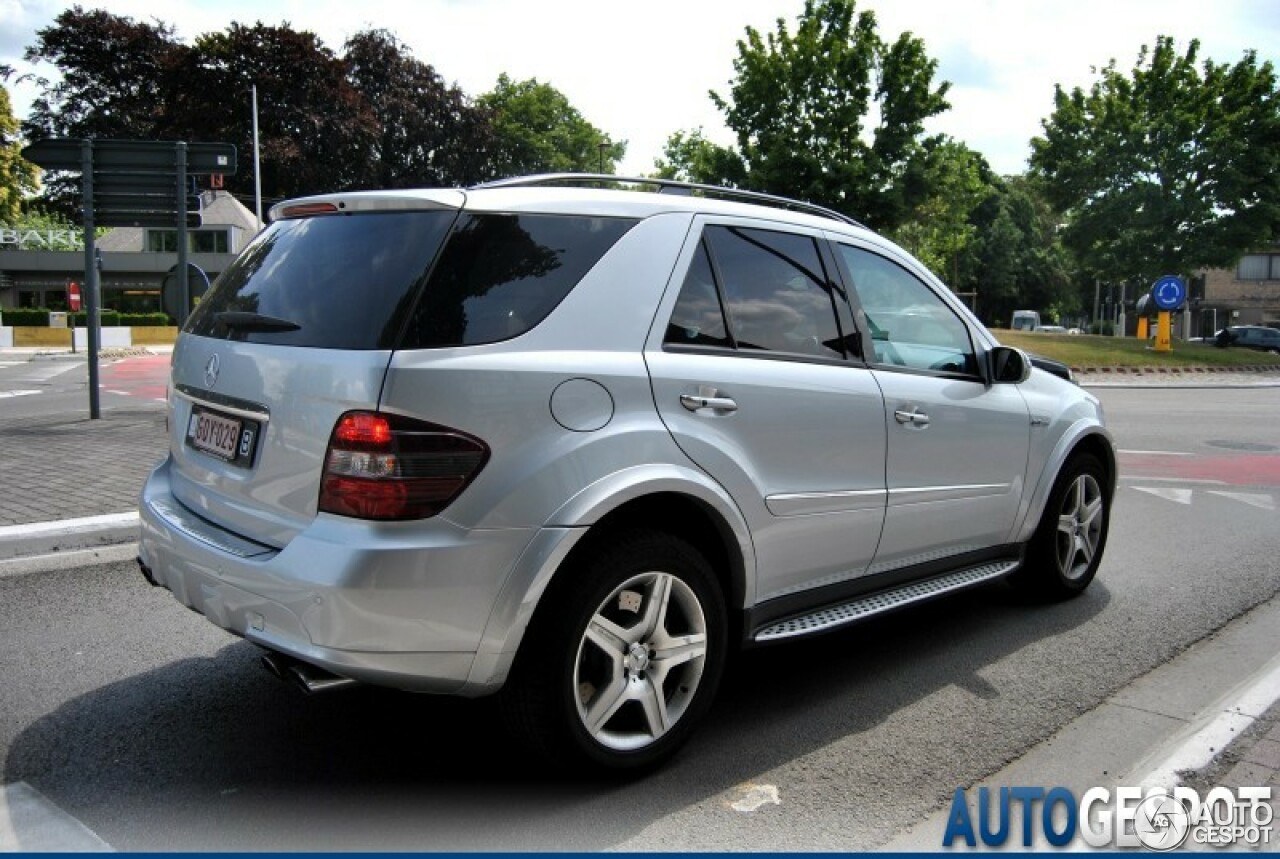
[381, 466]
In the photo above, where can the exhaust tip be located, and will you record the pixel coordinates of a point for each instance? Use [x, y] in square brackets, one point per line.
[313, 681]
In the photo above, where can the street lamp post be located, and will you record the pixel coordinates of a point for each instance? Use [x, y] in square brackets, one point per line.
[602, 146]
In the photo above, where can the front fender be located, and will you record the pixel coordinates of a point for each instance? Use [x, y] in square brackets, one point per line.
[1034, 504]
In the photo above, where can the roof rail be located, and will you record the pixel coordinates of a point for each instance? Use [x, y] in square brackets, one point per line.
[671, 186]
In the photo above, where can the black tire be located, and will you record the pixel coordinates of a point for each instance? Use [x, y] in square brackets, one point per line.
[623, 657]
[1063, 555]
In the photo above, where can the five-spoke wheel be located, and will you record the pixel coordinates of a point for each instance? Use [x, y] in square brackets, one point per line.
[624, 656]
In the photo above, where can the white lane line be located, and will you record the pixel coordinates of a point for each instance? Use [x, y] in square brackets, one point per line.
[30, 823]
[1146, 479]
[27, 393]
[1230, 717]
[67, 527]
[1262, 502]
[1178, 496]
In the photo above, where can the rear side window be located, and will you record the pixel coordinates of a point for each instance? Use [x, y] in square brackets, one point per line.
[334, 281]
[501, 274]
[773, 292]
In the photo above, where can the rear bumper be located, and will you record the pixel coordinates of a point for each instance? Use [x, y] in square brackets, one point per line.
[402, 604]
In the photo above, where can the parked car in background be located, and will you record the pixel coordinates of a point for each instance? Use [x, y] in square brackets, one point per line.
[1025, 320]
[575, 445]
[1052, 329]
[1257, 337]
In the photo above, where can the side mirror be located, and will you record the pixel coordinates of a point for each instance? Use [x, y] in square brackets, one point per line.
[1009, 365]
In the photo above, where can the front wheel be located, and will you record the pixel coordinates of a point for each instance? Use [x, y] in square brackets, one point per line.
[625, 658]
[1064, 554]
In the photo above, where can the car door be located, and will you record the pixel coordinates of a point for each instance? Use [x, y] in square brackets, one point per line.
[757, 377]
[957, 447]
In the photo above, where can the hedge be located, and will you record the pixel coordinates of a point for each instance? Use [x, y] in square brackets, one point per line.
[37, 316]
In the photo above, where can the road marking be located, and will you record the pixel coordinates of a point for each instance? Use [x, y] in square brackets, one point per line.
[4, 394]
[1179, 496]
[30, 823]
[1233, 715]
[1173, 479]
[1262, 502]
[1156, 452]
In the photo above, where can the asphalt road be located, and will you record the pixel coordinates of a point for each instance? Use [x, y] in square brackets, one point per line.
[61, 385]
[160, 732]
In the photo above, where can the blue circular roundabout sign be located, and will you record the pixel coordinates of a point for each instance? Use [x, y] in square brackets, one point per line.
[1169, 292]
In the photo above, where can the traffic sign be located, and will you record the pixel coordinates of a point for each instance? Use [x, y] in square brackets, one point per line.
[56, 153]
[1169, 292]
[64, 153]
[73, 297]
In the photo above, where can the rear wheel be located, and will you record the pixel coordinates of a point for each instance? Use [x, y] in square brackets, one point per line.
[1064, 554]
[625, 658]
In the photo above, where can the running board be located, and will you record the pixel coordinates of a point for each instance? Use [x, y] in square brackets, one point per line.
[830, 617]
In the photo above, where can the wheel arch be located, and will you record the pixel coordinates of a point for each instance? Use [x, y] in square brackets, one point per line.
[665, 498]
[1090, 438]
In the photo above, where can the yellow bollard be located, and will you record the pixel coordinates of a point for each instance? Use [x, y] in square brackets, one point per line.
[1162, 332]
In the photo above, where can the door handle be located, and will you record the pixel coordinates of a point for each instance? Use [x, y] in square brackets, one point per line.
[913, 417]
[694, 402]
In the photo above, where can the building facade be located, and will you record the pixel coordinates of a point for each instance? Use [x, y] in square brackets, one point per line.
[38, 267]
[1248, 294]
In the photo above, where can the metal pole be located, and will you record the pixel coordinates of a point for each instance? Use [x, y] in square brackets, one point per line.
[184, 285]
[92, 319]
[257, 167]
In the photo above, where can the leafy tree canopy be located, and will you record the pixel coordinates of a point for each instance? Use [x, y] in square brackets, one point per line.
[428, 133]
[833, 114]
[539, 131]
[373, 117]
[1167, 169]
[17, 175]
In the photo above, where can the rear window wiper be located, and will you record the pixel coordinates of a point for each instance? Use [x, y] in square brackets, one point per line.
[240, 320]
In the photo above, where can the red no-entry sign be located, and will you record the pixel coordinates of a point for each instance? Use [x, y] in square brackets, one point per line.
[73, 297]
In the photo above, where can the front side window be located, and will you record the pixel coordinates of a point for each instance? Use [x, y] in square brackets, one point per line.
[910, 325]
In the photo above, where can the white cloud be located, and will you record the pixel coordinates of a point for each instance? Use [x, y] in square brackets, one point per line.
[642, 70]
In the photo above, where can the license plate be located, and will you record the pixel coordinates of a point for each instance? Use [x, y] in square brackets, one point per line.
[223, 436]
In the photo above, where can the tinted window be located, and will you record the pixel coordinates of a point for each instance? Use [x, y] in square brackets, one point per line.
[345, 281]
[776, 292]
[500, 275]
[698, 318]
[910, 325]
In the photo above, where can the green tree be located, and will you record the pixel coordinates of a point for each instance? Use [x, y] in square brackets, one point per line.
[801, 106]
[17, 175]
[428, 133]
[688, 156]
[939, 228]
[315, 129]
[539, 131]
[1167, 169]
[1016, 258]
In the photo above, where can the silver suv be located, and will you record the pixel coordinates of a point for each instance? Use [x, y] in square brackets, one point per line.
[576, 444]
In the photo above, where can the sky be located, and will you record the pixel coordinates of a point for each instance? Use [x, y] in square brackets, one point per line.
[642, 70]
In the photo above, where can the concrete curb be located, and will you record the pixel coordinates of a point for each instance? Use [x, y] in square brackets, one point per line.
[44, 538]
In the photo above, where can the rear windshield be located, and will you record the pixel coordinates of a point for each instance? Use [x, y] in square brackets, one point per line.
[500, 275]
[353, 281]
[335, 281]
